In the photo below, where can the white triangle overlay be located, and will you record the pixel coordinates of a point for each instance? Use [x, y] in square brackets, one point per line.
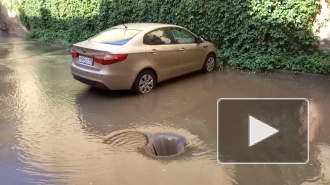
[259, 131]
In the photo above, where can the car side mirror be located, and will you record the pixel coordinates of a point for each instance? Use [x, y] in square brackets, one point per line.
[199, 40]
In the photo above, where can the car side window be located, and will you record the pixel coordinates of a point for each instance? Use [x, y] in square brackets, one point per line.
[157, 37]
[182, 36]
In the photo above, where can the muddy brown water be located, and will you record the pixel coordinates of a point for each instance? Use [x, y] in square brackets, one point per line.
[54, 130]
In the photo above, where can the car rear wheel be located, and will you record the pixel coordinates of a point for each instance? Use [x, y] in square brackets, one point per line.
[144, 82]
[210, 63]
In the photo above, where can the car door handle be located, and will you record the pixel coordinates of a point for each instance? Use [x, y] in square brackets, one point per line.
[154, 51]
[182, 49]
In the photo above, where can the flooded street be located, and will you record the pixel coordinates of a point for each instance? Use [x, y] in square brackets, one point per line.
[56, 130]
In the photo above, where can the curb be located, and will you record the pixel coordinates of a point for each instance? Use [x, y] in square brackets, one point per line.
[300, 74]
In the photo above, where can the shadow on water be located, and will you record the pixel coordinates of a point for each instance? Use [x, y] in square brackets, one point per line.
[109, 93]
[122, 107]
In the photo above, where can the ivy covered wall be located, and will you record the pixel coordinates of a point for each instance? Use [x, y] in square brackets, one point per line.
[253, 34]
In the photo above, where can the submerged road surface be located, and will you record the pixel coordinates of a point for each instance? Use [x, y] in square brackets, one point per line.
[55, 130]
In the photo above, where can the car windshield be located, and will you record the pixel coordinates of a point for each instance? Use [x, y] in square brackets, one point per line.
[115, 36]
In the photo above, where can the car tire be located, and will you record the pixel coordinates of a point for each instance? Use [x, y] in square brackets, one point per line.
[210, 63]
[144, 82]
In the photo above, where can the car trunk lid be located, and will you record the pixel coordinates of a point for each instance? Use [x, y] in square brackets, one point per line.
[87, 51]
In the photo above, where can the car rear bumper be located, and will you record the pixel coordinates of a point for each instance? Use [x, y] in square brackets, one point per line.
[105, 78]
[90, 82]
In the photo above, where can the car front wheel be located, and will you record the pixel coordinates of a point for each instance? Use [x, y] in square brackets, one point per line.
[210, 63]
[144, 82]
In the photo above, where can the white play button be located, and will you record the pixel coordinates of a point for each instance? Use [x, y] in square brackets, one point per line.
[253, 130]
[259, 131]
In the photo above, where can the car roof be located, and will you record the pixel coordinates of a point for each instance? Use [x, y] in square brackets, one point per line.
[144, 26]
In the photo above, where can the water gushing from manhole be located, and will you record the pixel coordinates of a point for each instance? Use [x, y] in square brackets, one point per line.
[165, 144]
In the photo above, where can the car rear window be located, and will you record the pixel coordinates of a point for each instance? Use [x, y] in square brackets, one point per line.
[115, 36]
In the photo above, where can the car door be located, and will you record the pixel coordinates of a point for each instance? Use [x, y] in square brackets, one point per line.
[190, 53]
[161, 52]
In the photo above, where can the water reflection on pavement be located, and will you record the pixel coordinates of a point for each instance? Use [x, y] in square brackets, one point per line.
[52, 128]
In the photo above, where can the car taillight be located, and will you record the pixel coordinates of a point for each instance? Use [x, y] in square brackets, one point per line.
[109, 59]
[74, 53]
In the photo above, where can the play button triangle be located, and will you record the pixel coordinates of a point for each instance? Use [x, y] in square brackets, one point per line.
[259, 131]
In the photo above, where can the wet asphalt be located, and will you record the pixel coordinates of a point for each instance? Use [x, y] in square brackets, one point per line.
[55, 130]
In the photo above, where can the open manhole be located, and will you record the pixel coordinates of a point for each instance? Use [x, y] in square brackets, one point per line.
[165, 144]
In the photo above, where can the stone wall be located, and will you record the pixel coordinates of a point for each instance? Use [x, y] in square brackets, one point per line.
[322, 26]
[9, 21]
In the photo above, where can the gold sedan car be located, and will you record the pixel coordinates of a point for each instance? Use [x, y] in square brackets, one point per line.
[136, 56]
